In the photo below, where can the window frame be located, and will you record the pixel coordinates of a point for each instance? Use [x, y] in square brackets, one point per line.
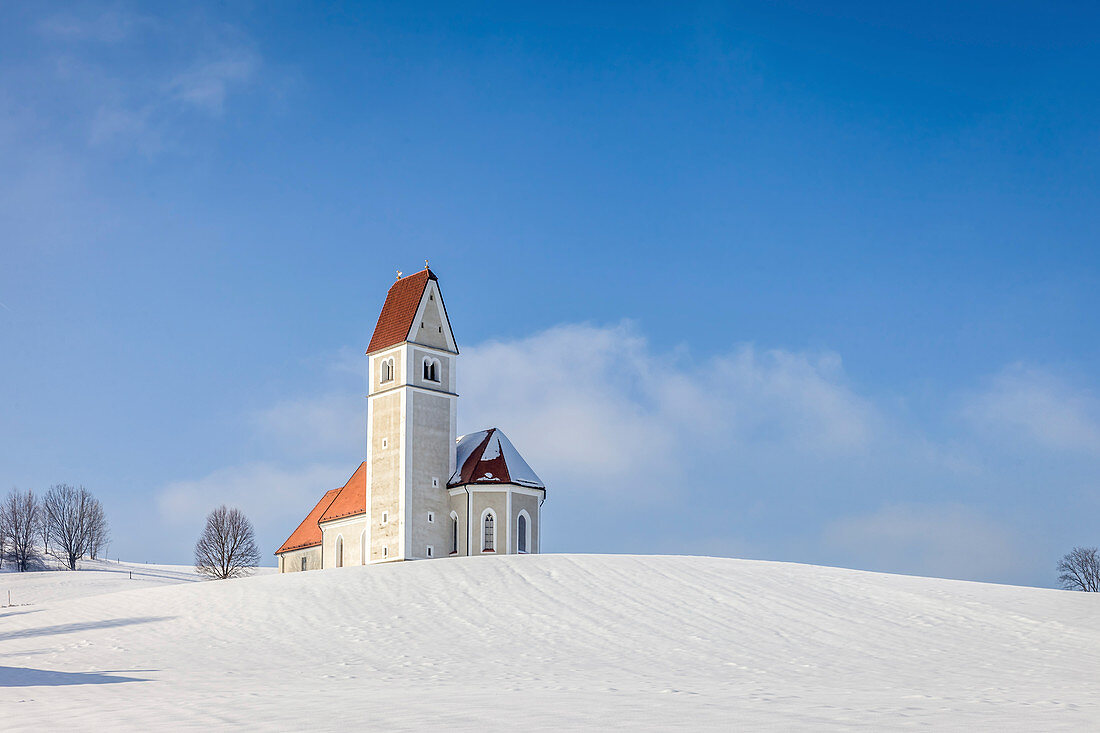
[489, 522]
[525, 534]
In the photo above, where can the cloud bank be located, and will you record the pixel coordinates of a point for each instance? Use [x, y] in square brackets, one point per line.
[755, 452]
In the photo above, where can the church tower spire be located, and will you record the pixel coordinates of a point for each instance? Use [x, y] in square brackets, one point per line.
[411, 421]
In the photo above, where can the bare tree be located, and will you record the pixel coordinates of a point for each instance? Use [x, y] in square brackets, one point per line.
[98, 531]
[20, 518]
[75, 520]
[1080, 569]
[227, 547]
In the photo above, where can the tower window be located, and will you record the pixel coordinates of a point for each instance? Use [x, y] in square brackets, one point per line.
[385, 552]
[385, 517]
[432, 369]
[385, 442]
[387, 371]
[454, 533]
[435, 482]
[521, 538]
[431, 517]
[431, 550]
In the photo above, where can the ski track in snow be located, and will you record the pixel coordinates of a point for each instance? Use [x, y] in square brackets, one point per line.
[545, 642]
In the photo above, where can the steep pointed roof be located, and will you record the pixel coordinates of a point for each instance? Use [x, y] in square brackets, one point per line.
[351, 499]
[399, 310]
[488, 457]
[308, 533]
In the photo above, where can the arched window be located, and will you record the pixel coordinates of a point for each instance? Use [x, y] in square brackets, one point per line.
[523, 534]
[432, 369]
[454, 533]
[488, 537]
[387, 370]
[340, 551]
[363, 548]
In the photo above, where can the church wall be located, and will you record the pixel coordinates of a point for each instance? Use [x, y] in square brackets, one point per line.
[291, 562]
[385, 469]
[531, 504]
[352, 532]
[429, 458]
[398, 356]
[498, 502]
[445, 377]
[458, 506]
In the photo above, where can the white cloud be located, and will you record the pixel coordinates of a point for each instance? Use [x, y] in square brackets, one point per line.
[769, 453]
[274, 497]
[207, 84]
[1028, 404]
[332, 424]
[947, 541]
[601, 403]
[110, 26]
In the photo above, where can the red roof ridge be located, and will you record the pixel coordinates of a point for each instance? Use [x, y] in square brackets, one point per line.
[399, 309]
[308, 533]
[351, 500]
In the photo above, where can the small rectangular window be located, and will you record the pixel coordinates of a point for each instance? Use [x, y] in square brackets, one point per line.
[431, 517]
[435, 482]
[385, 442]
[303, 563]
[385, 552]
[385, 517]
[431, 550]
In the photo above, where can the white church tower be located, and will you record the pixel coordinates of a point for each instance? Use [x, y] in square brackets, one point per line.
[422, 492]
[411, 422]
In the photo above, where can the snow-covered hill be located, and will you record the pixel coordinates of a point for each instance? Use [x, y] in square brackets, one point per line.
[95, 577]
[551, 642]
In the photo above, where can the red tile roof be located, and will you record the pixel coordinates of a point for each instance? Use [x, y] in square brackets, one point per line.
[346, 501]
[399, 310]
[352, 498]
[308, 533]
[488, 457]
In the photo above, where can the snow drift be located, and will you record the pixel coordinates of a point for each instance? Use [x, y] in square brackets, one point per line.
[555, 641]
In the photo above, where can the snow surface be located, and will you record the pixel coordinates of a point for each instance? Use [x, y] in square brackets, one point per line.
[94, 577]
[546, 642]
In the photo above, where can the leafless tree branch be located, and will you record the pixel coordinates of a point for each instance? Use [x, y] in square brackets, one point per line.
[227, 547]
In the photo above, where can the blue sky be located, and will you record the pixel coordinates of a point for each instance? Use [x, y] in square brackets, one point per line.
[762, 280]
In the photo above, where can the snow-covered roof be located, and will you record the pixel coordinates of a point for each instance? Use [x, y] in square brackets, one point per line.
[488, 457]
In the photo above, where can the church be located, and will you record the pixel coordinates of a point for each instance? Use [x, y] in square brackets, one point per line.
[423, 492]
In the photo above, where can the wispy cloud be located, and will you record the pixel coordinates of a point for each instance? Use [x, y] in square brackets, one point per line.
[207, 84]
[770, 453]
[601, 402]
[113, 25]
[136, 78]
[941, 540]
[1031, 405]
[274, 497]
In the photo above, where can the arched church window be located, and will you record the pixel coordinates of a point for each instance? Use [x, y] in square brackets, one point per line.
[340, 552]
[387, 370]
[487, 537]
[432, 368]
[454, 533]
[521, 535]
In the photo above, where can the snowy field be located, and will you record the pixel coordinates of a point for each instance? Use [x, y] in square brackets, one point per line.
[545, 643]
